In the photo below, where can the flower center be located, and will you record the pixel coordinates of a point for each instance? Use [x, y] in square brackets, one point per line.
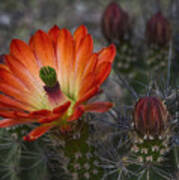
[52, 87]
[48, 76]
[53, 90]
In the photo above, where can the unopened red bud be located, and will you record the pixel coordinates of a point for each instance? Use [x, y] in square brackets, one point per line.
[115, 23]
[158, 30]
[150, 116]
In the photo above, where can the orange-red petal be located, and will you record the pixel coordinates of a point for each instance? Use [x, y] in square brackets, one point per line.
[107, 54]
[12, 103]
[21, 72]
[61, 109]
[3, 66]
[90, 65]
[76, 114]
[16, 115]
[17, 95]
[7, 114]
[31, 83]
[7, 77]
[53, 33]
[40, 113]
[23, 115]
[88, 95]
[102, 72]
[57, 113]
[65, 58]
[10, 122]
[79, 35]
[43, 48]
[98, 107]
[86, 84]
[21, 51]
[48, 119]
[37, 132]
[83, 54]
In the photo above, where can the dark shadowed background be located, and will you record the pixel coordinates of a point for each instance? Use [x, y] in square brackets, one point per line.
[21, 18]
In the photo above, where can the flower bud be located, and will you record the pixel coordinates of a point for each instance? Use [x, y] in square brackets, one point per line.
[115, 23]
[150, 116]
[158, 30]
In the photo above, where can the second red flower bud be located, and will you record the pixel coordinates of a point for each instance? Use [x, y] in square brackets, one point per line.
[150, 116]
[115, 23]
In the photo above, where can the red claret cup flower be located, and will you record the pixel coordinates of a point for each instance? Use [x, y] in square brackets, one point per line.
[50, 80]
[150, 116]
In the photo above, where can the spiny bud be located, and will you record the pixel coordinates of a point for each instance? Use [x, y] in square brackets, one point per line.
[150, 116]
[158, 30]
[115, 23]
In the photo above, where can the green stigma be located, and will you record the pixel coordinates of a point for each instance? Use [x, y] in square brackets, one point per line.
[48, 76]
